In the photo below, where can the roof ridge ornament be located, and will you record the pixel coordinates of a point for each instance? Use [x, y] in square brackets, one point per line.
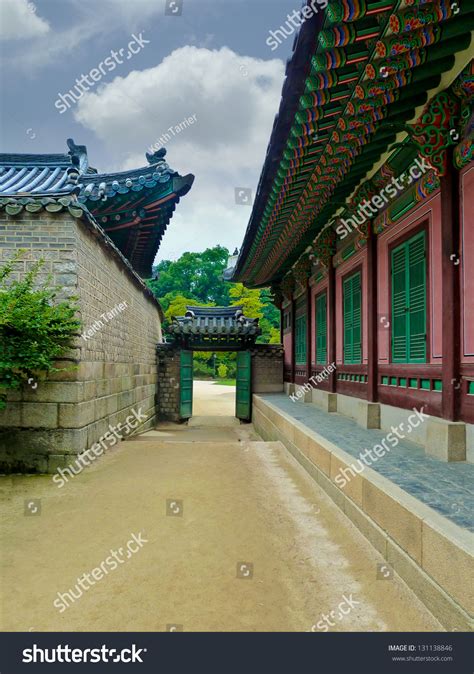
[78, 154]
[155, 157]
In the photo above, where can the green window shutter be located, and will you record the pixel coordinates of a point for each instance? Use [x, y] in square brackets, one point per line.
[417, 299]
[409, 301]
[352, 297]
[399, 303]
[300, 340]
[321, 329]
[357, 319]
[348, 320]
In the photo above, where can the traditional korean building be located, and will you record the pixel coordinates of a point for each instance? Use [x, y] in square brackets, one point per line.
[96, 236]
[133, 207]
[363, 218]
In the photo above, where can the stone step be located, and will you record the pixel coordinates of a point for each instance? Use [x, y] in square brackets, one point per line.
[184, 433]
[214, 421]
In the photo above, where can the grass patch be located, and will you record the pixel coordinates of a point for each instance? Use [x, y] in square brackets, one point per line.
[225, 382]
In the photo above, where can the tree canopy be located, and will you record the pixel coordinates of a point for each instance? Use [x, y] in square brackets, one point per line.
[195, 275]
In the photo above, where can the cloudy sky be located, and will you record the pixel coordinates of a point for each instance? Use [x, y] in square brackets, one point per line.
[209, 59]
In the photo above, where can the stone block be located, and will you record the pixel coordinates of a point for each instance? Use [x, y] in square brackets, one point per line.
[115, 385]
[76, 415]
[446, 440]
[331, 490]
[10, 416]
[300, 439]
[285, 426]
[67, 371]
[102, 388]
[127, 383]
[21, 461]
[368, 414]
[382, 504]
[373, 533]
[110, 370]
[48, 391]
[325, 400]
[89, 390]
[319, 455]
[448, 612]
[125, 399]
[91, 370]
[100, 408]
[448, 557]
[39, 415]
[350, 485]
[56, 461]
[97, 430]
[112, 404]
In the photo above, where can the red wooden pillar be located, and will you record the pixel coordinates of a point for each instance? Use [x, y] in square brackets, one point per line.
[451, 290]
[293, 340]
[331, 304]
[372, 321]
[309, 322]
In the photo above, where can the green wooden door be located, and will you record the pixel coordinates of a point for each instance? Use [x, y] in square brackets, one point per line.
[321, 329]
[186, 385]
[409, 301]
[352, 295]
[243, 393]
[300, 340]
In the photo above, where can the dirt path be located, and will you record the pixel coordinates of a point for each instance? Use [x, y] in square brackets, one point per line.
[213, 504]
[210, 399]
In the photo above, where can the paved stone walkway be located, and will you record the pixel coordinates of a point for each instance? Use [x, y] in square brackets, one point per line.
[233, 536]
[446, 487]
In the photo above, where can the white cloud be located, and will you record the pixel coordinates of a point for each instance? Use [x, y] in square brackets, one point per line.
[19, 20]
[234, 99]
[92, 20]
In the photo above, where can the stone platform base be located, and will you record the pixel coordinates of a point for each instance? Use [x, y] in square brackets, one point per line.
[431, 554]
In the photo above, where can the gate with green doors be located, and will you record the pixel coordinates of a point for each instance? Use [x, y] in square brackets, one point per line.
[215, 329]
[186, 384]
[243, 389]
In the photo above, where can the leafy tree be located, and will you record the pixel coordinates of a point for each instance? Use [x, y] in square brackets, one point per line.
[195, 275]
[252, 305]
[34, 329]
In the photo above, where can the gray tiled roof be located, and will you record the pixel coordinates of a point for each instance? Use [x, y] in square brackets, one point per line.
[48, 174]
[215, 321]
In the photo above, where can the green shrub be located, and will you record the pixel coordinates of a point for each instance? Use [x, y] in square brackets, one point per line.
[34, 332]
[222, 371]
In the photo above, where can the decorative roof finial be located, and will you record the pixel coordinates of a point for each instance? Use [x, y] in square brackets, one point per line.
[155, 157]
[78, 154]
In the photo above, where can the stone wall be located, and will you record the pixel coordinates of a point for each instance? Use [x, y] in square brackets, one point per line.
[267, 368]
[168, 382]
[114, 357]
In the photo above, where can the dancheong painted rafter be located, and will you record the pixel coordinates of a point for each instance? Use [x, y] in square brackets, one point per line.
[359, 72]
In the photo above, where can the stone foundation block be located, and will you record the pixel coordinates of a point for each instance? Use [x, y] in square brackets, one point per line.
[325, 400]
[446, 440]
[368, 414]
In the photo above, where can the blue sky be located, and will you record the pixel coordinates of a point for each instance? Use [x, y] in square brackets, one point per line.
[211, 62]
